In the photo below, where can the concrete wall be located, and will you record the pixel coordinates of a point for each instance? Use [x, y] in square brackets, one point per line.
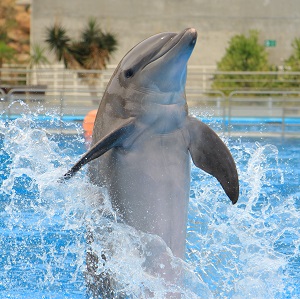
[215, 20]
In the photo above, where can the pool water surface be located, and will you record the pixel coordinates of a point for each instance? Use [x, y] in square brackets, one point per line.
[249, 250]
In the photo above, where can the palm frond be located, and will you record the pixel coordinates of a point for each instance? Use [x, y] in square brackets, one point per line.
[37, 56]
[58, 41]
[91, 51]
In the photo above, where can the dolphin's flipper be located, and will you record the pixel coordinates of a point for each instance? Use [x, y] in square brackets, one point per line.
[114, 138]
[211, 155]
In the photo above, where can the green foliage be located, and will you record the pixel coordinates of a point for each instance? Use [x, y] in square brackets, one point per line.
[58, 42]
[6, 53]
[7, 14]
[293, 62]
[244, 53]
[91, 51]
[37, 57]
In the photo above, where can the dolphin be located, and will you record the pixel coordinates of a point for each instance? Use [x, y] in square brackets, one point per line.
[143, 140]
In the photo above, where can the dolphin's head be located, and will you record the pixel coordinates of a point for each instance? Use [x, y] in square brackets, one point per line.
[158, 64]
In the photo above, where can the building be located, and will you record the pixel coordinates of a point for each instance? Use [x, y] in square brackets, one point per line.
[215, 20]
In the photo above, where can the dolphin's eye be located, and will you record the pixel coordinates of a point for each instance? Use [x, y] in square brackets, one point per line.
[129, 73]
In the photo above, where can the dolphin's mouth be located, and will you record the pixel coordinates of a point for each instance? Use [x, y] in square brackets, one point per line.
[173, 41]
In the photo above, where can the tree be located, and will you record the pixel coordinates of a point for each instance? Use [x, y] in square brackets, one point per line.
[36, 60]
[244, 53]
[59, 43]
[91, 52]
[293, 62]
[94, 48]
[37, 57]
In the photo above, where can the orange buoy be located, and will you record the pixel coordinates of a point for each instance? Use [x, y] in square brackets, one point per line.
[88, 125]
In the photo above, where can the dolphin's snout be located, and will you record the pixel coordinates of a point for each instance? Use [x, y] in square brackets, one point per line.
[193, 32]
[191, 35]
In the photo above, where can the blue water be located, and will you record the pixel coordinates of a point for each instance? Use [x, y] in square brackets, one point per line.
[250, 250]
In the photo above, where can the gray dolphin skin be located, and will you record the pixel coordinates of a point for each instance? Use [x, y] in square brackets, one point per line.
[143, 139]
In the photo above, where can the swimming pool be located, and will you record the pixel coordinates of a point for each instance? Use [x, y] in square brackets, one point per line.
[250, 250]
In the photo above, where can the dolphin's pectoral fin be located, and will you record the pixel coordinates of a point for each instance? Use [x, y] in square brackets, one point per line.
[211, 155]
[114, 138]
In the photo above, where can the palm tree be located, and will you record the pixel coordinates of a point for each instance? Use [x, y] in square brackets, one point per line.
[91, 52]
[37, 59]
[59, 43]
[94, 48]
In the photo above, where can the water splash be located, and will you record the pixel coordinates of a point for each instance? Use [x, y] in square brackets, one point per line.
[243, 251]
[235, 251]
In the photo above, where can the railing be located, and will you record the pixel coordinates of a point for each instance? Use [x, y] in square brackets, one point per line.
[199, 77]
[56, 78]
[41, 100]
[72, 92]
[264, 113]
[270, 112]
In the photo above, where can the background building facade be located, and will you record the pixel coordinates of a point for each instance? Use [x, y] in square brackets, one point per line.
[215, 20]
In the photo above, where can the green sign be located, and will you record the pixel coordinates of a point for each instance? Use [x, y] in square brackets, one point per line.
[270, 43]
